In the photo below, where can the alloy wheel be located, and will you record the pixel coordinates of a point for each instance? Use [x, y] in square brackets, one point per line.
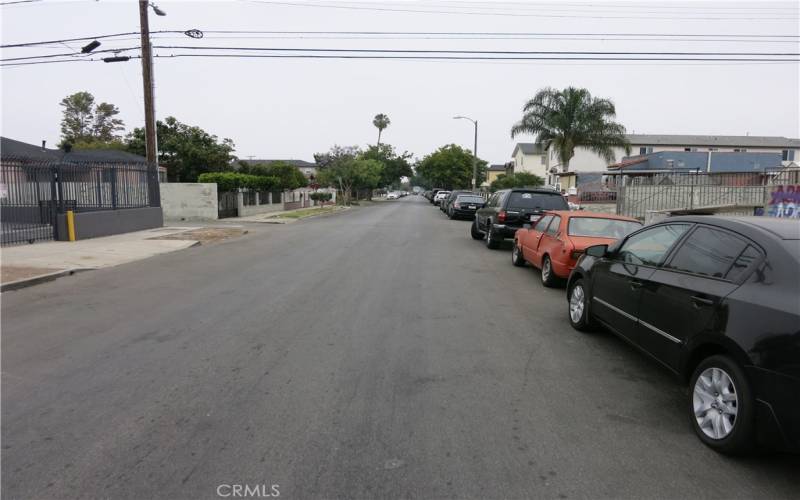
[576, 304]
[715, 403]
[546, 269]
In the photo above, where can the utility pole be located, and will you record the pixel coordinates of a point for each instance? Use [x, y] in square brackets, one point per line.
[474, 151]
[147, 80]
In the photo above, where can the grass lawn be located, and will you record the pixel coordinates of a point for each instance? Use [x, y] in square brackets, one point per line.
[306, 212]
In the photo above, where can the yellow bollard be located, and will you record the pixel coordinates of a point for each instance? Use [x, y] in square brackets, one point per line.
[71, 225]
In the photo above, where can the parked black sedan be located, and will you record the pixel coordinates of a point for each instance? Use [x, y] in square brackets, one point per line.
[465, 205]
[717, 301]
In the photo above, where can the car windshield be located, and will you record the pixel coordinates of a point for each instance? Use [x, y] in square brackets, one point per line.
[470, 199]
[541, 201]
[601, 227]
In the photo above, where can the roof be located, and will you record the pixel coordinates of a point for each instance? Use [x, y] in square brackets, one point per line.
[695, 160]
[497, 168]
[528, 148]
[11, 147]
[753, 141]
[296, 163]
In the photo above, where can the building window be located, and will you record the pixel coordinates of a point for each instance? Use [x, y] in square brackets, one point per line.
[788, 155]
[713, 149]
[739, 150]
[643, 151]
[544, 159]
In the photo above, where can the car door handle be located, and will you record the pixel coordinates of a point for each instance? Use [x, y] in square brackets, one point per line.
[635, 284]
[702, 301]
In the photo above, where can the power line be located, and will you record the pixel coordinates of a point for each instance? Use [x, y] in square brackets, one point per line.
[78, 39]
[496, 52]
[476, 58]
[504, 33]
[19, 1]
[48, 56]
[510, 14]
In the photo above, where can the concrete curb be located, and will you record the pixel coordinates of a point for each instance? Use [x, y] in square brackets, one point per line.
[42, 278]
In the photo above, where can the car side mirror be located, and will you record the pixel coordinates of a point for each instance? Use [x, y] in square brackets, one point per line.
[597, 250]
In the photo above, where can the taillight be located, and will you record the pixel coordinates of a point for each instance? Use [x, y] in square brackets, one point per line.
[501, 216]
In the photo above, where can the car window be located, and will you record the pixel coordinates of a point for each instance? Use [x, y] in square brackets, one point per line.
[650, 247]
[601, 228]
[552, 229]
[543, 222]
[542, 201]
[743, 263]
[709, 252]
[469, 199]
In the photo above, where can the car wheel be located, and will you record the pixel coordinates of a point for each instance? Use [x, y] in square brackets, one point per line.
[450, 214]
[721, 405]
[579, 316]
[491, 239]
[516, 255]
[474, 232]
[548, 277]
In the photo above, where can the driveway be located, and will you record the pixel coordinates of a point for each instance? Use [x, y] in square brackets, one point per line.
[376, 353]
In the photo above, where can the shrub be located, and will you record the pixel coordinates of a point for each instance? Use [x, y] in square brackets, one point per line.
[321, 196]
[231, 181]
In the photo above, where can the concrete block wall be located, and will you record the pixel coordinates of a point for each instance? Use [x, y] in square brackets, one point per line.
[189, 201]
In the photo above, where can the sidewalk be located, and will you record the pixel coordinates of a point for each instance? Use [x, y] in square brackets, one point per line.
[26, 265]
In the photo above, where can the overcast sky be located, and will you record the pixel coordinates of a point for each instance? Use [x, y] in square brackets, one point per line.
[292, 108]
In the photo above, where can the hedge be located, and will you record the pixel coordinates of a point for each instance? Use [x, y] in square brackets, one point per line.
[230, 181]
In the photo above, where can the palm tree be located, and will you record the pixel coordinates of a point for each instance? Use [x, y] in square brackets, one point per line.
[381, 121]
[569, 118]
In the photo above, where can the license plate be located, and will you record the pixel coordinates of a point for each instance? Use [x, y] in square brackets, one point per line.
[472, 207]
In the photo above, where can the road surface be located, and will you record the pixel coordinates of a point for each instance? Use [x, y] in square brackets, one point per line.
[377, 353]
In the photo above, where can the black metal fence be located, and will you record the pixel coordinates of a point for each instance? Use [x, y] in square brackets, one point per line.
[689, 190]
[34, 191]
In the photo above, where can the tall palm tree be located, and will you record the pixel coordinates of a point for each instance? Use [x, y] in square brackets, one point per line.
[569, 118]
[381, 121]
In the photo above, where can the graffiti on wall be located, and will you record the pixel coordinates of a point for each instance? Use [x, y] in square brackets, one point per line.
[784, 202]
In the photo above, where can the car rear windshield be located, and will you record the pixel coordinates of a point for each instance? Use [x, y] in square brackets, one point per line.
[600, 227]
[542, 201]
[470, 199]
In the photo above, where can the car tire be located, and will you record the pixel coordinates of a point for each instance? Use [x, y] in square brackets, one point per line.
[491, 240]
[579, 315]
[474, 232]
[450, 214]
[721, 406]
[516, 255]
[549, 278]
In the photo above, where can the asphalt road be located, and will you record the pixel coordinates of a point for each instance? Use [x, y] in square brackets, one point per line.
[376, 353]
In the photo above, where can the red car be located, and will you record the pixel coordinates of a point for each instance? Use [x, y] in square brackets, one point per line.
[558, 239]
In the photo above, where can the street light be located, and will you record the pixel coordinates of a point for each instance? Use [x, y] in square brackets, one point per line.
[474, 150]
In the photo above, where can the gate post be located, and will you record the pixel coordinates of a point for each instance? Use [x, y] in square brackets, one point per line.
[54, 197]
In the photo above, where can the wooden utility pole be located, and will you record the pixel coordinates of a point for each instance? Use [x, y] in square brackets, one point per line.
[147, 79]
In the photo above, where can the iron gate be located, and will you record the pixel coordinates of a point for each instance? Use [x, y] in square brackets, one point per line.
[28, 203]
[227, 205]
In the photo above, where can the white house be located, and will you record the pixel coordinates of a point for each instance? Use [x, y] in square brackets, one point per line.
[529, 157]
[587, 161]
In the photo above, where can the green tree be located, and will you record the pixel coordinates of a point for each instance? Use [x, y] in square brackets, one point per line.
[85, 125]
[520, 179]
[570, 118]
[187, 151]
[106, 126]
[450, 167]
[394, 166]
[346, 170]
[381, 121]
[78, 118]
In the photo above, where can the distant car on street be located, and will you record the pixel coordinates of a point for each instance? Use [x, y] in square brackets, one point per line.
[441, 195]
[507, 210]
[558, 239]
[444, 206]
[392, 196]
[715, 300]
[465, 206]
